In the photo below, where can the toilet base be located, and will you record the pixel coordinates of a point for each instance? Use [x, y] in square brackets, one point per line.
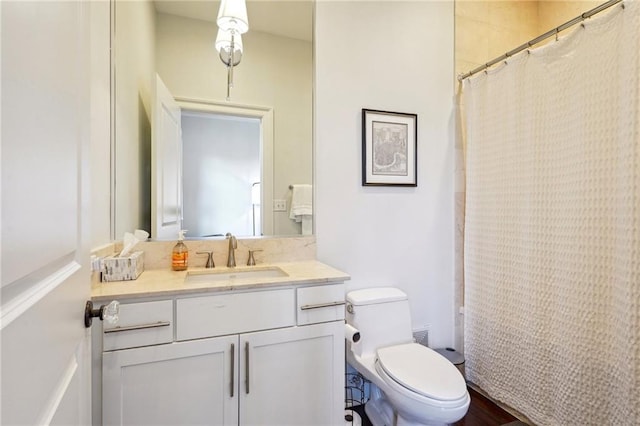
[378, 409]
[381, 413]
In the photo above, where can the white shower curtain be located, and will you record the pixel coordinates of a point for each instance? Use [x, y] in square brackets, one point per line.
[552, 228]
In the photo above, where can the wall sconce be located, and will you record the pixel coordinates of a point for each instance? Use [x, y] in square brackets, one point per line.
[230, 49]
[232, 23]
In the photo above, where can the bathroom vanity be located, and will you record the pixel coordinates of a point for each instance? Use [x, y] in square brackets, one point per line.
[244, 350]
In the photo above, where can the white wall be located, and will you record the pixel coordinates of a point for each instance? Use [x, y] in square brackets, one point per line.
[393, 56]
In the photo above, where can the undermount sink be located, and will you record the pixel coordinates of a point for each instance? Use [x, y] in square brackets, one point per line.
[201, 277]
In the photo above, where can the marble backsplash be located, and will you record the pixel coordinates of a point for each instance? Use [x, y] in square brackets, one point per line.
[157, 254]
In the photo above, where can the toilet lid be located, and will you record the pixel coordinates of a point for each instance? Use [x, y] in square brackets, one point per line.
[422, 370]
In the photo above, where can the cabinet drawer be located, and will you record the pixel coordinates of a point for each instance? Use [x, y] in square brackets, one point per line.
[200, 317]
[320, 304]
[140, 324]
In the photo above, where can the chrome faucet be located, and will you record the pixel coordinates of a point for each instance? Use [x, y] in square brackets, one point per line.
[233, 244]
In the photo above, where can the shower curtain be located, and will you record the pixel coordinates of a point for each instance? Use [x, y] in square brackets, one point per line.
[552, 227]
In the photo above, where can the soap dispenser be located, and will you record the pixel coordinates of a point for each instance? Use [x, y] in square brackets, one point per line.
[180, 255]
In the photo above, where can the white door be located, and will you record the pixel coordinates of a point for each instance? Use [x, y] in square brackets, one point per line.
[293, 376]
[45, 277]
[185, 383]
[166, 169]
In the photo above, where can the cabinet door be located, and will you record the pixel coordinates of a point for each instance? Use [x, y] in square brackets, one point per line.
[187, 383]
[293, 376]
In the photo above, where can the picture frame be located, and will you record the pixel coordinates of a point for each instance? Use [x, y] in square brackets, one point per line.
[389, 148]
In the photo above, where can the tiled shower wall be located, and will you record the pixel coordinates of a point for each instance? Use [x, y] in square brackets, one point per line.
[487, 29]
[483, 31]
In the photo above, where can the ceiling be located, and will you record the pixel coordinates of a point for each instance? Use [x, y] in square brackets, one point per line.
[287, 18]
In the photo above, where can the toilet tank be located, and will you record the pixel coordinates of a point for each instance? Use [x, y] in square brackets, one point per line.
[381, 315]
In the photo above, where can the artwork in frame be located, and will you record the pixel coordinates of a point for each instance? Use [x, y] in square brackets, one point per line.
[389, 148]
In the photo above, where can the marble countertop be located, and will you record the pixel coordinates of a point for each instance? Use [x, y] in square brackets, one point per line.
[167, 283]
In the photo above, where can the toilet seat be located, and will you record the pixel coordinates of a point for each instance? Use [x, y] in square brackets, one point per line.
[422, 371]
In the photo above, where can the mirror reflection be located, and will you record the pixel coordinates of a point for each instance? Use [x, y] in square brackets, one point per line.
[233, 163]
[223, 154]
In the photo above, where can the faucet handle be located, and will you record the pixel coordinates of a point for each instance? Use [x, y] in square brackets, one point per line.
[209, 254]
[251, 261]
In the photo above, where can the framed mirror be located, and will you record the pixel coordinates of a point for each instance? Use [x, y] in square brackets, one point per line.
[174, 41]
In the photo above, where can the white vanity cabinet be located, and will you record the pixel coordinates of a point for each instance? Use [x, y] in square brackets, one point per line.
[185, 383]
[293, 376]
[268, 357]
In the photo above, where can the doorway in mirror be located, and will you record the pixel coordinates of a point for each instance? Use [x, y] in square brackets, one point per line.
[221, 174]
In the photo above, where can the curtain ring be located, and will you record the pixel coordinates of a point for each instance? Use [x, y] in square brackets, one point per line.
[557, 32]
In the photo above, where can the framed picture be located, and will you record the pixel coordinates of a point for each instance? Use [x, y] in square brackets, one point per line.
[389, 148]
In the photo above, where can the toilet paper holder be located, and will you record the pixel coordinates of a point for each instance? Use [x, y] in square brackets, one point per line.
[351, 333]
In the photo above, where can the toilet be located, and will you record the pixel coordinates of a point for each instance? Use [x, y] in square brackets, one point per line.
[412, 384]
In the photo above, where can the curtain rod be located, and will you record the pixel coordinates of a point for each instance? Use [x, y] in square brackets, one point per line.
[551, 33]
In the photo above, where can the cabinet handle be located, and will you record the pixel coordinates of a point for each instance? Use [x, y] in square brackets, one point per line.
[321, 305]
[118, 329]
[233, 368]
[246, 350]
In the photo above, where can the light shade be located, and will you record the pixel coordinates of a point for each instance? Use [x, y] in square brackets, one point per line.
[232, 16]
[223, 41]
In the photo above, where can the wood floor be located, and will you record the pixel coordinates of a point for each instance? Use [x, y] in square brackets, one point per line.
[483, 412]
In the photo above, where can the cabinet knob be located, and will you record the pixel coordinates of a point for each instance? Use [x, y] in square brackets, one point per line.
[109, 313]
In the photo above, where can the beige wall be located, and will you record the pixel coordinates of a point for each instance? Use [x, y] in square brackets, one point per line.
[552, 13]
[487, 29]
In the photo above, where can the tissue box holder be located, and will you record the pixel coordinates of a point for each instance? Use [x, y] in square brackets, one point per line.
[123, 268]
